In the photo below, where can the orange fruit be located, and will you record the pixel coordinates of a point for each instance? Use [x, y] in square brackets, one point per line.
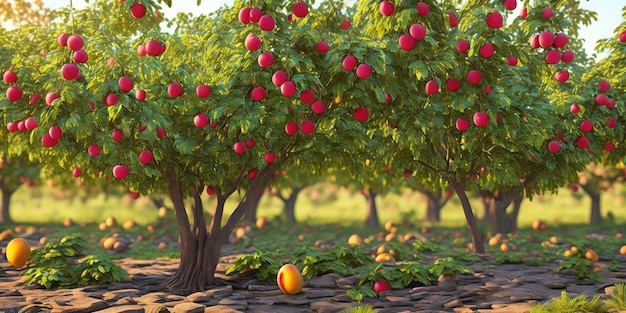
[289, 279]
[592, 256]
[18, 252]
[622, 250]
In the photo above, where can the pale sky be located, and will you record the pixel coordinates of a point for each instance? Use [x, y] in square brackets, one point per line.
[609, 14]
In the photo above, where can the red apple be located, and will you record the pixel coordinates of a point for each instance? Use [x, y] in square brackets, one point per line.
[48, 141]
[253, 42]
[322, 46]
[14, 93]
[574, 108]
[512, 60]
[125, 83]
[386, 8]
[554, 146]
[423, 9]
[586, 126]
[239, 147]
[30, 123]
[80, 56]
[432, 87]
[75, 42]
[138, 10]
[611, 122]
[546, 39]
[266, 59]
[601, 99]
[34, 98]
[291, 128]
[361, 114]
[417, 31]
[250, 143]
[487, 50]
[462, 46]
[609, 146]
[210, 190]
[203, 91]
[21, 127]
[560, 40]
[567, 56]
[453, 19]
[255, 15]
[318, 107]
[406, 42]
[453, 84]
[62, 39]
[510, 4]
[288, 89]
[474, 77]
[70, 71]
[300, 9]
[622, 36]
[146, 156]
[488, 90]
[267, 23]
[117, 135]
[257, 93]
[120, 171]
[495, 19]
[524, 13]
[553, 57]
[279, 77]
[363, 71]
[141, 50]
[154, 47]
[12, 127]
[307, 96]
[93, 150]
[349, 63]
[534, 41]
[55, 132]
[111, 99]
[200, 120]
[10, 77]
[269, 157]
[562, 76]
[462, 124]
[77, 172]
[307, 127]
[175, 90]
[582, 142]
[388, 98]
[252, 173]
[548, 13]
[140, 95]
[604, 86]
[161, 132]
[481, 119]
[244, 15]
[345, 24]
[381, 286]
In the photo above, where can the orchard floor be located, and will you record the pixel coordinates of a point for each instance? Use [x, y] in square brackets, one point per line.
[494, 289]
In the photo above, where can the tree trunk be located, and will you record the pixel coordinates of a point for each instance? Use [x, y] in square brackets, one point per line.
[252, 208]
[201, 247]
[498, 202]
[372, 212]
[477, 238]
[485, 198]
[517, 204]
[596, 214]
[289, 211]
[5, 217]
[434, 203]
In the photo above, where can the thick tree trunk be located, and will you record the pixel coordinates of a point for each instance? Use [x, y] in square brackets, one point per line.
[5, 216]
[289, 212]
[252, 208]
[596, 213]
[477, 238]
[497, 204]
[485, 198]
[372, 212]
[434, 203]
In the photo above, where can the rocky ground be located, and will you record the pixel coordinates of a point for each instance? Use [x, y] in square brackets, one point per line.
[495, 289]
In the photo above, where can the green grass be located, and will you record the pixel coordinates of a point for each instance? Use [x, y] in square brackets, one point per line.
[317, 205]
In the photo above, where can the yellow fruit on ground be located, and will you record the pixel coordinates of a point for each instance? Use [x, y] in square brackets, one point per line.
[622, 250]
[568, 253]
[261, 222]
[289, 279]
[494, 241]
[355, 240]
[504, 247]
[18, 252]
[554, 239]
[575, 250]
[592, 256]
[108, 243]
[381, 249]
[384, 257]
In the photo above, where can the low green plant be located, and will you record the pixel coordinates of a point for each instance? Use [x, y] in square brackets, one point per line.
[618, 298]
[565, 304]
[59, 265]
[361, 309]
[508, 258]
[342, 260]
[580, 266]
[266, 264]
[448, 266]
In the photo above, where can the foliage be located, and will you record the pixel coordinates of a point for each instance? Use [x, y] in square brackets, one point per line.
[582, 268]
[618, 298]
[265, 264]
[565, 304]
[343, 260]
[59, 265]
[366, 308]
[448, 266]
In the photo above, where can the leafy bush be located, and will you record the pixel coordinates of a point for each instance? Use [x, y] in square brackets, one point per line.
[59, 265]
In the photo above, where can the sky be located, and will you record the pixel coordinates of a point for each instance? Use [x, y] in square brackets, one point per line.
[609, 14]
